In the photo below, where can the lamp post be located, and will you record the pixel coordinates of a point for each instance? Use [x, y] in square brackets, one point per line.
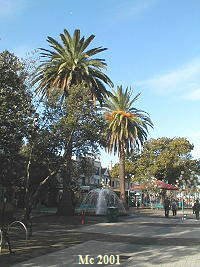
[156, 189]
[192, 184]
[128, 177]
[182, 184]
[186, 184]
[105, 183]
[150, 186]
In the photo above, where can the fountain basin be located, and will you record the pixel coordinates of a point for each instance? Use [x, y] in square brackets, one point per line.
[97, 202]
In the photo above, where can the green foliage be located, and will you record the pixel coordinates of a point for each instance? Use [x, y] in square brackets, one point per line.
[69, 64]
[130, 167]
[82, 128]
[59, 137]
[80, 133]
[165, 158]
[15, 109]
[127, 126]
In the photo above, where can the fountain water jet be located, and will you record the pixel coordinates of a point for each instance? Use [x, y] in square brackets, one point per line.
[98, 200]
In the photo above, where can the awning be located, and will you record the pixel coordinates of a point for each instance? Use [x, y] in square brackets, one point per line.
[159, 183]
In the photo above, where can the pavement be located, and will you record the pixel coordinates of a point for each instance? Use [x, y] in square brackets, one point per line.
[143, 239]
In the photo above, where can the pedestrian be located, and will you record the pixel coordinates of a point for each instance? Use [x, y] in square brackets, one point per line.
[133, 203]
[138, 204]
[193, 208]
[166, 207]
[174, 207]
[197, 209]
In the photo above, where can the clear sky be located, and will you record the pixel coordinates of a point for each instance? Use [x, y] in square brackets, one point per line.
[153, 46]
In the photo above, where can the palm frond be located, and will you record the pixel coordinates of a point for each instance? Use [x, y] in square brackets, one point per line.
[128, 125]
[87, 42]
[67, 64]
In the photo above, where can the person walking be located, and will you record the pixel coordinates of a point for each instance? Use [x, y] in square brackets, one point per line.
[174, 207]
[193, 208]
[166, 207]
[197, 209]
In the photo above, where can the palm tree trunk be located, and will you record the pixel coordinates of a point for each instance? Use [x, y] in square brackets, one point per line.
[122, 175]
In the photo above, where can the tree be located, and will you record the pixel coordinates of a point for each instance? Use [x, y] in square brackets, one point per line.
[69, 64]
[165, 158]
[15, 110]
[130, 166]
[127, 128]
[67, 67]
[61, 137]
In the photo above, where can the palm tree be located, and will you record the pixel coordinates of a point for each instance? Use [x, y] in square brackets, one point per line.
[68, 64]
[127, 128]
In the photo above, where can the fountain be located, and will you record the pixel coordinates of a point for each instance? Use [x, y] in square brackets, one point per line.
[98, 200]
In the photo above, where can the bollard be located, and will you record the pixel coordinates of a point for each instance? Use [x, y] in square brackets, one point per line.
[184, 217]
[82, 217]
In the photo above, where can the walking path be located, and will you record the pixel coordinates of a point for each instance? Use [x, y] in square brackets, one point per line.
[144, 239]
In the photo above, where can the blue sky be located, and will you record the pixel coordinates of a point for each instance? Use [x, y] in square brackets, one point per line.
[153, 46]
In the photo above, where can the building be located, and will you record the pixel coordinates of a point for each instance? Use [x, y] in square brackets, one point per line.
[93, 177]
[96, 176]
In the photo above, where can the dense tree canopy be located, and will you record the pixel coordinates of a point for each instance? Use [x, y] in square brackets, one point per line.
[163, 158]
[15, 111]
[59, 137]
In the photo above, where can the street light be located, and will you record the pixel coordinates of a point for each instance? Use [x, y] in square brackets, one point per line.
[151, 185]
[128, 177]
[186, 184]
[181, 183]
[192, 183]
[105, 183]
[156, 190]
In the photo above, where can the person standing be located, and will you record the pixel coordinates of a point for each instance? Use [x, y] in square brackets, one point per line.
[174, 207]
[166, 207]
[197, 209]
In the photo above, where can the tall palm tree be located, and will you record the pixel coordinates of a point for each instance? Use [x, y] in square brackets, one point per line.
[127, 128]
[69, 64]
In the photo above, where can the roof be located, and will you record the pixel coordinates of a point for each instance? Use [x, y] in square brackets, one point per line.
[105, 171]
[159, 183]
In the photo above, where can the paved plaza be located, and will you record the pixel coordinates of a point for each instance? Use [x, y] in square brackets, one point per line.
[140, 240]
